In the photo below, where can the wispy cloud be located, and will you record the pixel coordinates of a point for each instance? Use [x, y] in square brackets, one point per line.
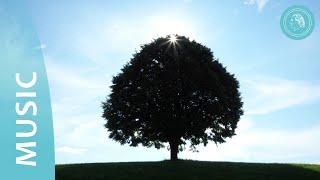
[41, 46]
[264, 145]
[123, 34]
[70, 78]
[70, 150]
[76, 108]
[259, 3]
[265, 95]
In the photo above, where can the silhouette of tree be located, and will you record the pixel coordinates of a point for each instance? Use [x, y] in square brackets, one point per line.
[173, 91]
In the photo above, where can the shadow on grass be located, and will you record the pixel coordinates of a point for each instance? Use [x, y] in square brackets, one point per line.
[186, 170]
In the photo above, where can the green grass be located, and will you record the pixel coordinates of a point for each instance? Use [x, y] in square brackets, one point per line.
[187, 170]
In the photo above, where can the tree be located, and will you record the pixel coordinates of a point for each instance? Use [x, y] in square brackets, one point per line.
[173, 91]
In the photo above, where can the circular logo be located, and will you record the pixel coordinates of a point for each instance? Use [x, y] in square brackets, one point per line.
[297, 22]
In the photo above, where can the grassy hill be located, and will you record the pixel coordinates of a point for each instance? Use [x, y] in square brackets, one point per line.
[187, 170]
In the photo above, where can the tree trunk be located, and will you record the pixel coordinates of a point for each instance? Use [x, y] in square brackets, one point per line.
[173, 151]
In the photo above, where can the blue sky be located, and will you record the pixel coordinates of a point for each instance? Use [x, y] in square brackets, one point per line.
[86, 42]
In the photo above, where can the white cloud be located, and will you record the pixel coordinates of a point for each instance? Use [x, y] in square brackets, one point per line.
[89, 133]
[41, 46]
[70, 150]
[264, 145]
[76, 100]
[126, 34]
[70, 78]
[249, 2]
[76, 127]
[259, 3]
[73, 90]
[265, 95]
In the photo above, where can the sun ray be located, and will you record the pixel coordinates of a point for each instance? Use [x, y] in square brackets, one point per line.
[173, 39]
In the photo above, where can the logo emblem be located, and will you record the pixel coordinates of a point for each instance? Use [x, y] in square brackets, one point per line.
[297, 22]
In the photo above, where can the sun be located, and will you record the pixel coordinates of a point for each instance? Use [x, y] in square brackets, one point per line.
[173, 39]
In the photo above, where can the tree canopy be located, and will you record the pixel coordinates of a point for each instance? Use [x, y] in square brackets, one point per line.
[173, 91]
